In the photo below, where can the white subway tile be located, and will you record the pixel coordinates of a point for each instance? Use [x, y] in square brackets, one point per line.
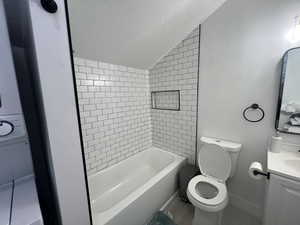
[113, 122]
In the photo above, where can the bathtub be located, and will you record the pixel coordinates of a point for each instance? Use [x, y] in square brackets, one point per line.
[129, 192]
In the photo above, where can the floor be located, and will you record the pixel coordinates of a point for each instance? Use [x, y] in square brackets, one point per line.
[182, 214]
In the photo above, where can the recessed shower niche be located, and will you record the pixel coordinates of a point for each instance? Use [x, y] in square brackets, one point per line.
[166, 100]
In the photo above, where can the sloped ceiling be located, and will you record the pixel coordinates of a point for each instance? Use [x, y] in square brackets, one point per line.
[135, 33]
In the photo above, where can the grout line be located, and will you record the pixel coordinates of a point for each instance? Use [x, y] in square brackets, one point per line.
[12, 200]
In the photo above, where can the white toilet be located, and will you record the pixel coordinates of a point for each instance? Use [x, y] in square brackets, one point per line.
[217, 161]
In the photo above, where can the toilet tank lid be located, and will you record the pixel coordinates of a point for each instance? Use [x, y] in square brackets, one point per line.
[228, 145]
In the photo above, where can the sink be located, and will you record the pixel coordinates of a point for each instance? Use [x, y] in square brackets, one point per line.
[293, 163]
[285, 163]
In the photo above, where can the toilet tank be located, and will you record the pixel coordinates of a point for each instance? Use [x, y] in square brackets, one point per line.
[232, 148]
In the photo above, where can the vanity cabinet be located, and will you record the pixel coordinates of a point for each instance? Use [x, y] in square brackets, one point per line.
[282, 202]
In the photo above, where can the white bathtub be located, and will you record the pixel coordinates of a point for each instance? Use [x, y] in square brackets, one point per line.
[129, 192]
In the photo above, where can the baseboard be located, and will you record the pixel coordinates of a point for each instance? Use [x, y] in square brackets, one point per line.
[234, 200]
[168, 201]
[246, 205]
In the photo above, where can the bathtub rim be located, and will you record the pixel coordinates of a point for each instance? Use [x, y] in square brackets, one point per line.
[102, 218]
[132, 156]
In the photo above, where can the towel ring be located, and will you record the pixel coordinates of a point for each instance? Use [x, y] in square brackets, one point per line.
[254, 107]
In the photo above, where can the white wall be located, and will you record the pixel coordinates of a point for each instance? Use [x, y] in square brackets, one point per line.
[134, 33]
[241, 48]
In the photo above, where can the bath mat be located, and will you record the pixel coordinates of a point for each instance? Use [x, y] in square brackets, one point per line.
[160, 218]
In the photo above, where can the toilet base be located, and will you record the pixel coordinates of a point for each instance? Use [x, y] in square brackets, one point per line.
[207, 218]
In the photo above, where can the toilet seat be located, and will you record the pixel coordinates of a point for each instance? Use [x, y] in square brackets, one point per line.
[214, 204]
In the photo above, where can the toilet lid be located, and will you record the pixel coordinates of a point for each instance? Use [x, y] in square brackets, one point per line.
[214, 161]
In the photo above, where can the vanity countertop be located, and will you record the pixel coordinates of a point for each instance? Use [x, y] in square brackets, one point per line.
[285, 163]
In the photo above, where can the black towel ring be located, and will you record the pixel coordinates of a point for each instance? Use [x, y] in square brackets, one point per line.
[254, 107]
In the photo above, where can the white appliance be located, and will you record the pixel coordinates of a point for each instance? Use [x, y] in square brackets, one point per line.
[217, 161]
[12, 127]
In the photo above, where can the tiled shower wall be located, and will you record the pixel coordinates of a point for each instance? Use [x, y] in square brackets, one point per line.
[116, 117]
[114, 109]
[175, 131]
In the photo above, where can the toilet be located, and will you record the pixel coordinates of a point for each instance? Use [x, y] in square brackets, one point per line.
[217, 161]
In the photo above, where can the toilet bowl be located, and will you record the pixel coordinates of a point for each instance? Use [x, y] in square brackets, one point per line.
[208, 192]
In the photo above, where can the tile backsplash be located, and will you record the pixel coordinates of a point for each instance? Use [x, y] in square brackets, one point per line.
[114, 109]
